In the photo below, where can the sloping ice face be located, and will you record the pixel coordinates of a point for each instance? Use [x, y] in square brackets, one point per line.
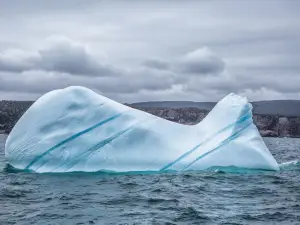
[75, 129]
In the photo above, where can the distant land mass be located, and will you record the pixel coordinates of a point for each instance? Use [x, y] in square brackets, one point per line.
[277, 118]
[274, 107]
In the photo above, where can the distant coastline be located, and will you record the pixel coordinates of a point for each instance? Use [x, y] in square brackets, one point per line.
[273, 118]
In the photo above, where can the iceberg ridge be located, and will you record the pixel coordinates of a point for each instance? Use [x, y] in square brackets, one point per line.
[75, 129]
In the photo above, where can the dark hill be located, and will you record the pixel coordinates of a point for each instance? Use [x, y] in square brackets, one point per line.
[276, 107]
[175, 105]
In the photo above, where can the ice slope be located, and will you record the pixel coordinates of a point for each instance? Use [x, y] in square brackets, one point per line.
[75, 129]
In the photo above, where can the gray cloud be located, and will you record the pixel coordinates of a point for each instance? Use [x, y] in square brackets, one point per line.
[54, 66]
[130, 82]
[59, 54]
[156, 64]
[268, 62]
[64, 55]
[202, 61]
[252, 48]
[15, 61]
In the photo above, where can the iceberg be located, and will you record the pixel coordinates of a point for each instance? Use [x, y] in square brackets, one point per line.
[75, 129]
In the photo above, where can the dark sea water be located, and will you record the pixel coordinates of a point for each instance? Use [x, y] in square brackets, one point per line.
[207, 197]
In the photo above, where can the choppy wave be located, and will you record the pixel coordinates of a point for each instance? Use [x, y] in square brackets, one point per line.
[290, 165]
[215, 196]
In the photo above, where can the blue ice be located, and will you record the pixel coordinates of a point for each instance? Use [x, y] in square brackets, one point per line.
[75, 129]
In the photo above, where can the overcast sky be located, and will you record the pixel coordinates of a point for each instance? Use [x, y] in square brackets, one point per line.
[150, 50]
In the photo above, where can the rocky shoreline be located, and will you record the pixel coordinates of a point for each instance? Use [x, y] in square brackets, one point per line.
[268, 125]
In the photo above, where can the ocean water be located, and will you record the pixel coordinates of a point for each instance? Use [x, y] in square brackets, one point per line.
[216, 196]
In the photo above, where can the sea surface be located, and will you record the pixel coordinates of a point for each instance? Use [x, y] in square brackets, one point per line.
[203, 197]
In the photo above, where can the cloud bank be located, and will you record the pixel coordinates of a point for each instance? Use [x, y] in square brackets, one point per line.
[151, 50]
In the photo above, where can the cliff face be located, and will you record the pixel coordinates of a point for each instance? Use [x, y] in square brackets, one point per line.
[10, 112]
[268, 125]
